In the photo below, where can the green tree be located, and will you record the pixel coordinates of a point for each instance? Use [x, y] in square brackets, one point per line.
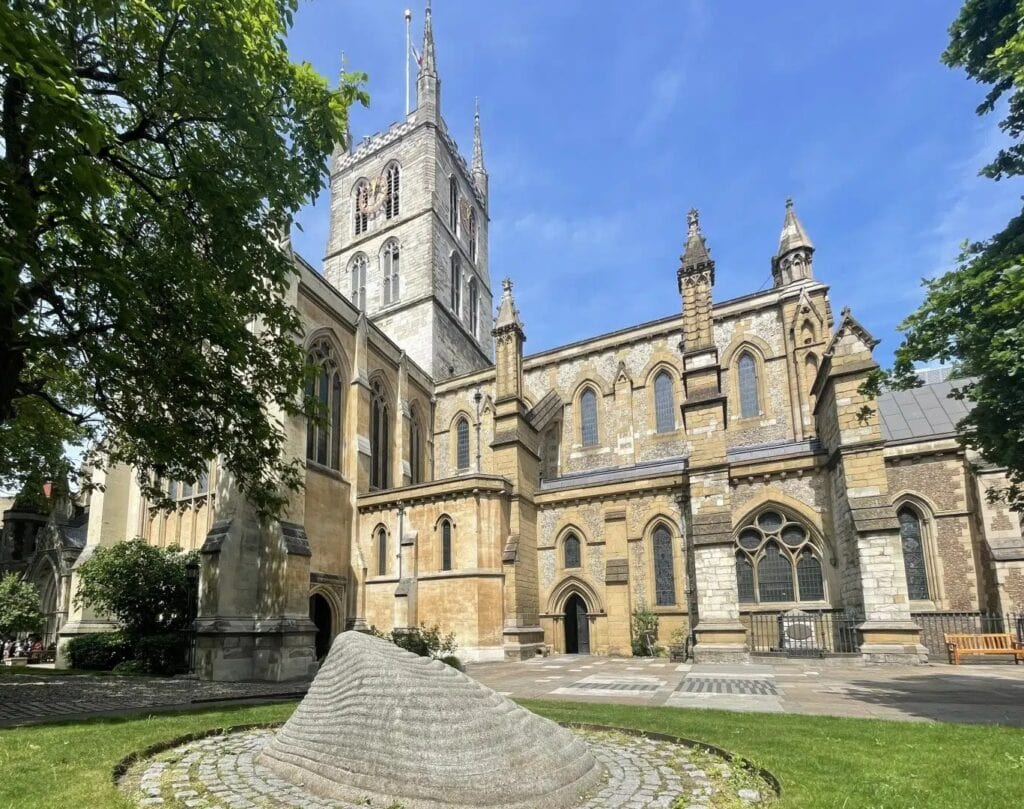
[140, 585]
[972, 316]
[19, 606]
[147, 150]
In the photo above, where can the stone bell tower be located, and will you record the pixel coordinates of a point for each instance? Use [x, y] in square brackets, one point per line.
[408, 235]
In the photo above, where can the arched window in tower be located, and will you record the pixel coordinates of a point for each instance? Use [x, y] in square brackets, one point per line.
[380, 436]
[415, 448]
[777, 560]
[360, 202]
[746, 371]
[664, 403]
[382, 552]
[453, 204]
[588, 418]
[571, 551]
[471, 233]
[323, 435]
[456, 282]
[913, 554]
[446, 545]
[357, 273]
[389, 260]
[473, 303]
[462, 444]
[392, 203]
[664, 568]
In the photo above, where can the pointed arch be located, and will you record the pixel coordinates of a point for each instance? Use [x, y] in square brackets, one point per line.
[473, 304]
[455, 281]
[357, 280]
[445, 527]
[381, 549]
[748, 384]
[573, 584]
[417, 428]
[664, 402]
[325, 386]
[390, 259]
[381, 432]
[360, 200]
[587, 398]
[392, 203]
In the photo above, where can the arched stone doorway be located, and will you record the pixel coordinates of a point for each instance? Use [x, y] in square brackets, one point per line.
[321, 614]
[577, 626]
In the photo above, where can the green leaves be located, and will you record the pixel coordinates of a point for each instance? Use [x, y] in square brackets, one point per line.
[147, 149]
[19, 606]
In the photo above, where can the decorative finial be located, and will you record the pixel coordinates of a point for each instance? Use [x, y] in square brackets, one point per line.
[693, 220]
[506, 285]
[789, 203]
[428, 8]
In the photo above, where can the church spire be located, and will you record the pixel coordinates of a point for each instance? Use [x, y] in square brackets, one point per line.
[793, 262]
[696, 255]
[696, 277]
[428, 85]
[509, 337]
[479, 172]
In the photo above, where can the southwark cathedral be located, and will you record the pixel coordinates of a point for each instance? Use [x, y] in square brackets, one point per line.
[713, 468]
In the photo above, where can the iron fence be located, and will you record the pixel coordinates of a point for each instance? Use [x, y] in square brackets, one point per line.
[798, 633]
[934, 625]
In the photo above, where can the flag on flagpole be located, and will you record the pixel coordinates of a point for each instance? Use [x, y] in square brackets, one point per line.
[416, 55]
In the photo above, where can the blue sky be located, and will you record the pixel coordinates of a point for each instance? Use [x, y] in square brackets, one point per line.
[605, 122]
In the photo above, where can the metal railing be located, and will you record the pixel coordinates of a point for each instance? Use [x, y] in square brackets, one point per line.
[934, 625]
[796, 633]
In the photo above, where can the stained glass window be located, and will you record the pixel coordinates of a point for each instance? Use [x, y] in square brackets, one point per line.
[572, 551]
[913, 554]
[664, 403]
[382, 552]
[462, 444]
[446, 545]
[774, 575]
[747, 371]
[588, 417]
[380, 448]
[323, 435]
[809, 578]
[664, 568]
[745, 579]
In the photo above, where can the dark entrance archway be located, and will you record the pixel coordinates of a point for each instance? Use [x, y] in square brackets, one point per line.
[577, 627]
[320, 614]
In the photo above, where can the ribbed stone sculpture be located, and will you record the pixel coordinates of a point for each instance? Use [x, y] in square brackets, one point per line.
[382, 724]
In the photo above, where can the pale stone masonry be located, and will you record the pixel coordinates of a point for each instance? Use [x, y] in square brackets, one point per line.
[714, 466]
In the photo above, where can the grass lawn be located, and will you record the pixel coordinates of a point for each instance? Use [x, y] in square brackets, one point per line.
[821, 762]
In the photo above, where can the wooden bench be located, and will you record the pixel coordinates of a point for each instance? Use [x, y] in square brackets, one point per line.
[967, 645]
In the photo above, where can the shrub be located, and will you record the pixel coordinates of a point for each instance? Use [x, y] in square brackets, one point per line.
[101, 651]
[420, 640]
[453, 661]
[164, 654]
[645, 625]
[19, 606]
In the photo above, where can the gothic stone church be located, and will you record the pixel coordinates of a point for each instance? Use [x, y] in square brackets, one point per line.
[709, 466]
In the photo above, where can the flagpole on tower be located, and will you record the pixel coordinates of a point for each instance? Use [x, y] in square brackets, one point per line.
[408, 53]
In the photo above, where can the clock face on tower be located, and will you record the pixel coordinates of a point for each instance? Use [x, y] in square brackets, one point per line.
[374, 195]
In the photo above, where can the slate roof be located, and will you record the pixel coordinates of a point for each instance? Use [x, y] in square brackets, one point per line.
[616, 474]
[924, 412]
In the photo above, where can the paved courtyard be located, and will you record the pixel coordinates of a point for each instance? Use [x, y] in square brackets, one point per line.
[991, 693]
[985, 693]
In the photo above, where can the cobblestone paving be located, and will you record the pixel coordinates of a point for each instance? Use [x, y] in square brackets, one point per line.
[220, 772]
[31, 698]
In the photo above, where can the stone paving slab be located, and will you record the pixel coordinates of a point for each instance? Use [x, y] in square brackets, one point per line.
[223, 771]
[28, 698]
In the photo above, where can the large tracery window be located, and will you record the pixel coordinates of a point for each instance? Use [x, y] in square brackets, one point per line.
[389, 259]
[664, 403]
[913, 554]
[664, 568]
[777, 560]
[360, 203]
[323, 435]
[393, 199]
[571, 550]
[380, 437]
[456, 282]
[746, 371]
[588, 418]
[462, 444]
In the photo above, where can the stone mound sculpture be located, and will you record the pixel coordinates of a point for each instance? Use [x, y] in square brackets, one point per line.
[382, 724]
